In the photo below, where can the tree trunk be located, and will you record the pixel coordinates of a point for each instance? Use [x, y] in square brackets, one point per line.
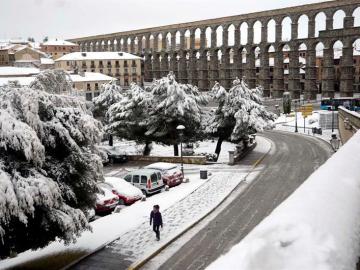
[176, 150]
[111, 140]
[147, 149]
[218, 147]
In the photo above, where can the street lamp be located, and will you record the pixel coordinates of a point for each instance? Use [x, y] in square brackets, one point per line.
[296, 125]
[180, 129]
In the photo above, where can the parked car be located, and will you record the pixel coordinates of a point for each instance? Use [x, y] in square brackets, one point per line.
[149, 181]
[127, 193]
[107, 201]
[114, 154]
[171, 173]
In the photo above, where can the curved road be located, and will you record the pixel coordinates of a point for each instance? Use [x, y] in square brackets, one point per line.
[294, 159]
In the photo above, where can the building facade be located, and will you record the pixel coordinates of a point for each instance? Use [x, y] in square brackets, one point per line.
[202, 66]
[20, 56]
[125, 67]
[58, 48]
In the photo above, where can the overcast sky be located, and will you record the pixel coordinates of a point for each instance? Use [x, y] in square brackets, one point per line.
[76, 18]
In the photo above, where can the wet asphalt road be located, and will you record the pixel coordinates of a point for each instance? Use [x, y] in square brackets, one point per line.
[294, 159]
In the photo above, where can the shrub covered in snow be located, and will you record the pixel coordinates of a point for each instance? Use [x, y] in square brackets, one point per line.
[53, 81]
[48, 172]
[240, 113]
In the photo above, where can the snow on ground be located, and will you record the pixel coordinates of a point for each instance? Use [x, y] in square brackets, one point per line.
[287, 123]
[131, 148]
[317, 227]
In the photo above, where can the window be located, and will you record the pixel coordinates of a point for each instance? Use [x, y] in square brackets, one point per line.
[128, 178]
[143, 179]
[67, 63]
[117, 63]
[88, 96]
[134, 70]
[154, 178]
[136, 179]
[126, 70]
[101, 71]
[96, 94]
[96, 86]
[159, 175]
[88, 87]
[134, 79]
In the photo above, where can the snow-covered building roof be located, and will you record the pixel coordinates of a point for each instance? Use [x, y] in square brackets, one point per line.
[76, 56]
[58, 42]
[90, 77]
[23, 81]
[18, 71]
[47, 61]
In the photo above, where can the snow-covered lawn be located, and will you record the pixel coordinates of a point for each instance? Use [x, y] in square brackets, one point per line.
[132, 148]
[317, 227]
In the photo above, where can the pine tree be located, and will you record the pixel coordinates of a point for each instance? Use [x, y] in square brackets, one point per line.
[128, 117]
[240, 113]
[174, 104]
[48, 172]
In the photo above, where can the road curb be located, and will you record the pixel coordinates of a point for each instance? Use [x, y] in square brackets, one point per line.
[137, 265]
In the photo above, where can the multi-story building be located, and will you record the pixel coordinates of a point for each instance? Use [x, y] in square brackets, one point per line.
[125, 67]
[58, 48]
[20, 56]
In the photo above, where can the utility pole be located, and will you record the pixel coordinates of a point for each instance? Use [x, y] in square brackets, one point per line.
[296, 125]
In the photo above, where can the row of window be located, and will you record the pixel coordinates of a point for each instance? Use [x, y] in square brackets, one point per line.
[117, 71]
[58, 48]
[102, 63]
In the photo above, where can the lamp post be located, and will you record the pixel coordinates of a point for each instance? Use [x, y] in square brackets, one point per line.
[296, 125]
[180, 129]
[332, 115]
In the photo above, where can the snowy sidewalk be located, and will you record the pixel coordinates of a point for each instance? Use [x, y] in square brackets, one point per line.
[137, 243]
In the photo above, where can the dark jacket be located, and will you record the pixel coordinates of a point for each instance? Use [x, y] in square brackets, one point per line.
[156, 216]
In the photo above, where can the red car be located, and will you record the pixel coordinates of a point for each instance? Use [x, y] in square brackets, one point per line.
[171, 174]
[127, 193]
[106, 202]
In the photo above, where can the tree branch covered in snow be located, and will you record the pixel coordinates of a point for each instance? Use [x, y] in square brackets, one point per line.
[48, 173]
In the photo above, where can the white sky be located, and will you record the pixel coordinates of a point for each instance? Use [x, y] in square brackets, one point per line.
[76, 18]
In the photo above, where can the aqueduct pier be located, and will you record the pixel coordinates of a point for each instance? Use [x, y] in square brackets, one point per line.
[206, 51]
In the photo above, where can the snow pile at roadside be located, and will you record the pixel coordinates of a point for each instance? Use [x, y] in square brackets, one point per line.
[317, 227]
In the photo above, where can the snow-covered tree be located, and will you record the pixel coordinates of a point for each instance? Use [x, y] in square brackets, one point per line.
[174, 104]
[110, 94]
[53, 81]
[239, 114]
[48, 172]
[128, 117]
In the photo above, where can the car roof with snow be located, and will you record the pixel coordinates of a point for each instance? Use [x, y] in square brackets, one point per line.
[144, 171]
[161, 166]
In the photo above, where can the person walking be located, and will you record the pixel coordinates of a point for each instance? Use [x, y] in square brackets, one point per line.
[156, 220]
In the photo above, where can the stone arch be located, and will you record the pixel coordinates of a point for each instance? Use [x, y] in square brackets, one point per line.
[143, 43]
[257, 27]
[177, 41]
[208, 33]
[303, 26]
[244, 33]
[286, 29]
[231, 35]
[271, 31]
[356, 15]
[338, 19]
[159, 42]
[197, 36]
[219, 36]
[187, 39]
[152, 43]
[320, 22]
[168, 42]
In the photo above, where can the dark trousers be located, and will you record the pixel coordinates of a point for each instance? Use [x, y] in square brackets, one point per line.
[156, 229]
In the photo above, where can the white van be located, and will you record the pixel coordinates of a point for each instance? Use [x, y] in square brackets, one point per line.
[149, 181]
